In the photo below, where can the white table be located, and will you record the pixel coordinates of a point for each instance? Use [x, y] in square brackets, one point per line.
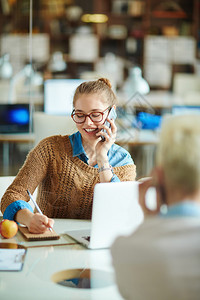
[41, 262]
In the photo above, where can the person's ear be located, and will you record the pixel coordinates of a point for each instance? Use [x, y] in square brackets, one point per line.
[160, 186]
[158, 175]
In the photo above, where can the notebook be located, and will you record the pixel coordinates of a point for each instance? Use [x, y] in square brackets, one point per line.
[48, 235]
[115, 212]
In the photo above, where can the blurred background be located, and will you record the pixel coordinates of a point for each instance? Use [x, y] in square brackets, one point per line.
[149, 49]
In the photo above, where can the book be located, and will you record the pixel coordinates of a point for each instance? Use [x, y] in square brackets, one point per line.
[47, 235]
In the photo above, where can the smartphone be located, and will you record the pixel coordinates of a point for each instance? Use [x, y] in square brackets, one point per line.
[112, 115]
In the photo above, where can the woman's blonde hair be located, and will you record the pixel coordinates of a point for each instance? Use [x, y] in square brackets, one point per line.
[178, 152]
[101, 86]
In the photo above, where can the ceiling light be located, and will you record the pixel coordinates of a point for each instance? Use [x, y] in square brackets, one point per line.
[94, 18]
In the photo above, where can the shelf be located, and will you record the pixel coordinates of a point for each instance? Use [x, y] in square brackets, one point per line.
[123, 33]
[52, 15]
[169, 15]
[124, 16]
[60, 37]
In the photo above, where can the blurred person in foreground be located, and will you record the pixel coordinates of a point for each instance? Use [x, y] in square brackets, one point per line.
[161, 260]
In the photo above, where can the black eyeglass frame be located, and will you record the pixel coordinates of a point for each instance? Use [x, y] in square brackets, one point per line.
[89, 115]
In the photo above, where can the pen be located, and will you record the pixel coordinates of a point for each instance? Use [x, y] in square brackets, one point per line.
[36, 206]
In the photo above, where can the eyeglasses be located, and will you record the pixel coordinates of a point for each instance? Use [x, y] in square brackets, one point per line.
[96, 116]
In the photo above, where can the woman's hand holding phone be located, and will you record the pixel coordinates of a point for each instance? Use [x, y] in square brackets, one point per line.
[108, 132]
[111, 116]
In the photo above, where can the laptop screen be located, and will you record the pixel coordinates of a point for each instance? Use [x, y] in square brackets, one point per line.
[14, 118]
[58, 95]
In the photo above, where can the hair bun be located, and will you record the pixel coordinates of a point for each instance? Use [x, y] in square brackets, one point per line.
[106, 81]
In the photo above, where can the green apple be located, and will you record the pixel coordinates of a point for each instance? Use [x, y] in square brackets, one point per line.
[8, 229]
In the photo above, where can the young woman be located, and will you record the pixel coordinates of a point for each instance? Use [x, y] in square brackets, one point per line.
[66, 168]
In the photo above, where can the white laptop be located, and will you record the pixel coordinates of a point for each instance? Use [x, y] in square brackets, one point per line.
[115, 212]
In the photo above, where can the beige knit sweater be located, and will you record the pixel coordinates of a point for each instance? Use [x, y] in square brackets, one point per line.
[65, 183]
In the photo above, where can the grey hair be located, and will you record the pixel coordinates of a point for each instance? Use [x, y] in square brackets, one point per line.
[178, 152]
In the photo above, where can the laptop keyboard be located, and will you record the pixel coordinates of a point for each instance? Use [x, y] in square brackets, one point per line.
[87, 238]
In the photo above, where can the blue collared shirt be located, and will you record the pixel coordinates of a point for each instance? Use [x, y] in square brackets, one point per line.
[183, 209]
[117, 157]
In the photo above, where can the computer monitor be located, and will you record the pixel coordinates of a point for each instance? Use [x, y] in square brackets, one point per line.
[145, 120]
[185, 109]
[14, 118]
[58, 95]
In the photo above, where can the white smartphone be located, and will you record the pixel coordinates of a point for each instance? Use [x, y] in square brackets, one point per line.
[112, 116]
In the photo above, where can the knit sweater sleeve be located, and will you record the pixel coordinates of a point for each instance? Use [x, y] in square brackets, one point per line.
[29, 176]
[65, 183]
[125, 173]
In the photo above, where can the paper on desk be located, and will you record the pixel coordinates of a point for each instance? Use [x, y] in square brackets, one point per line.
[11, 259]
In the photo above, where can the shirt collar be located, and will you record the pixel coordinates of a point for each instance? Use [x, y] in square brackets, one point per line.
[184, 208]
[77, 146]
[78, 150]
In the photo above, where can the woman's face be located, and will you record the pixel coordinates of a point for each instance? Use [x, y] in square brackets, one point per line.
[86, 104]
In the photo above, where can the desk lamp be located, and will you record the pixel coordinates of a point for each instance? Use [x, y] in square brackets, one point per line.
[134, 89]
[26, 79]
[135, 83]
[6, 70]
[57, 63]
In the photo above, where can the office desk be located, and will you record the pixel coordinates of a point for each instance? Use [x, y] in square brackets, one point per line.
[41, 262]
[155, 99]
[6, 139]
[135, 137]
[147, 140]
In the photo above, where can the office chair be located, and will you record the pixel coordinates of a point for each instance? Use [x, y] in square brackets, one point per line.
[5, 181]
